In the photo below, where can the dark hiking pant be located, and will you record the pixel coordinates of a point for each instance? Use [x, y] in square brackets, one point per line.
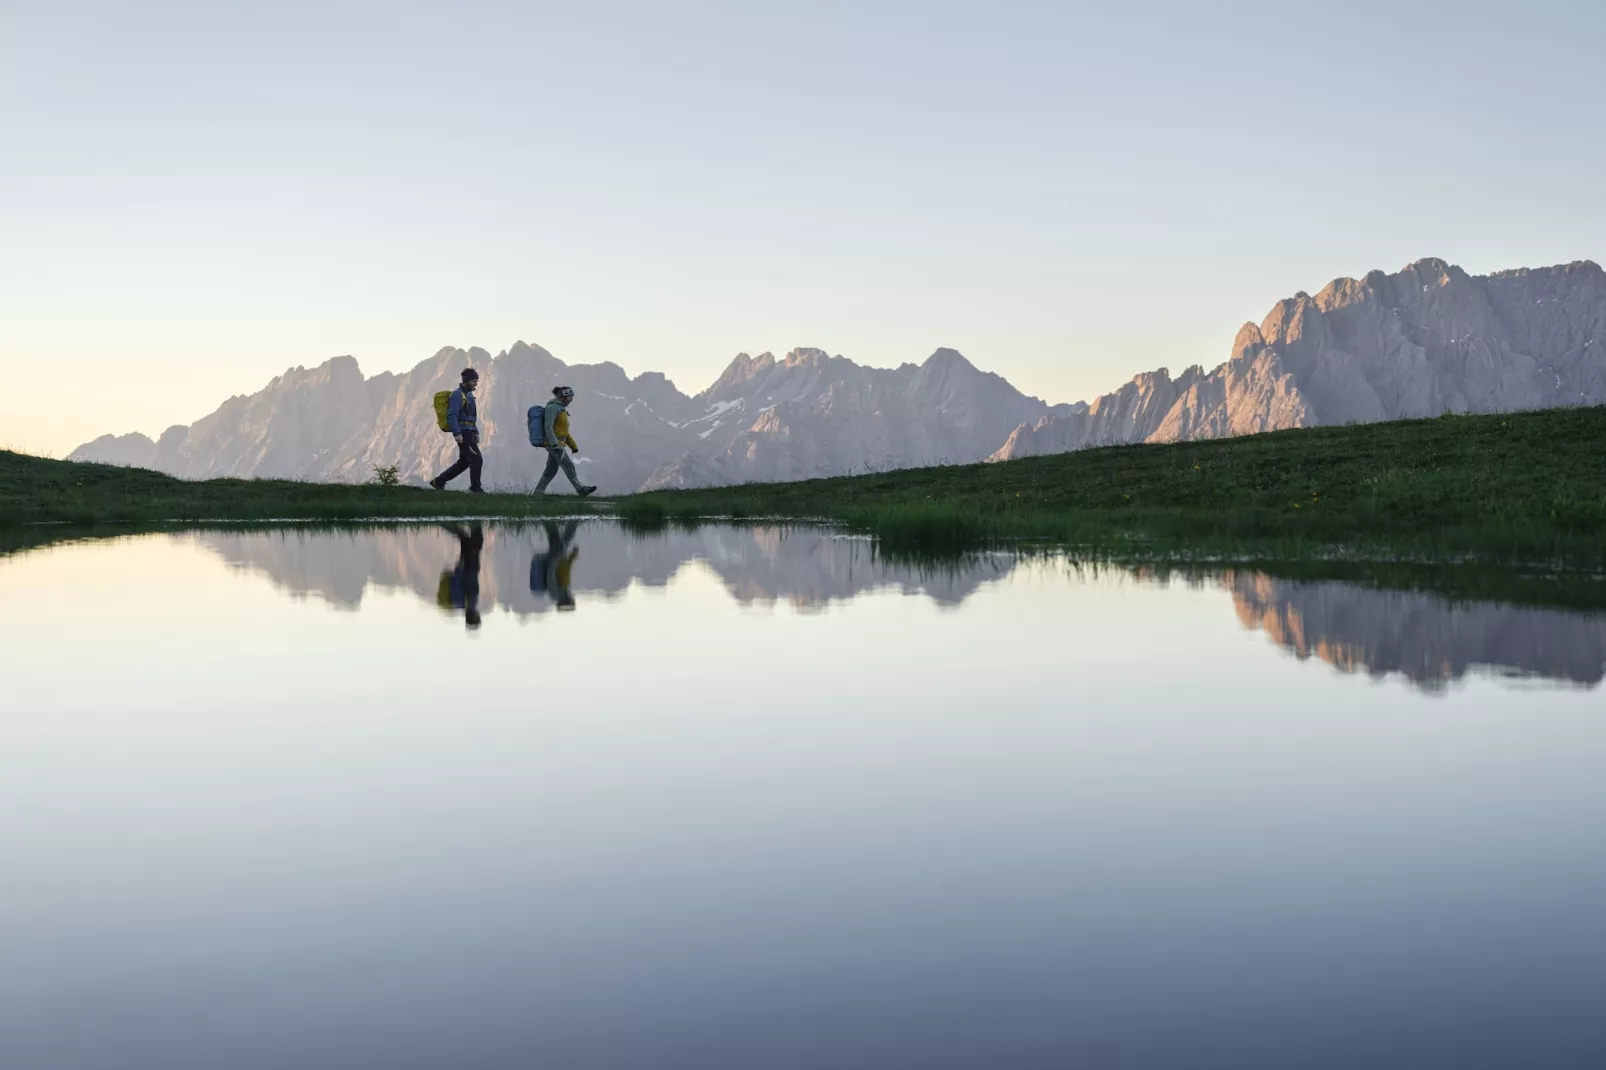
[556, 458]
[468, 460]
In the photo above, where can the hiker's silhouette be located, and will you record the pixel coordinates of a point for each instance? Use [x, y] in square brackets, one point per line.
[460, 587]
[550, 570]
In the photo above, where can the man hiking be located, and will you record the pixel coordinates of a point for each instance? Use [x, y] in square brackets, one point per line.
[555, 438]
[462, 420]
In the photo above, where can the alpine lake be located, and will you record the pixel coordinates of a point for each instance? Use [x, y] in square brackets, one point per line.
[569, 795]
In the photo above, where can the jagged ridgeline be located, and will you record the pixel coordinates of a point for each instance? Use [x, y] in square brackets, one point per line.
[1421, 342]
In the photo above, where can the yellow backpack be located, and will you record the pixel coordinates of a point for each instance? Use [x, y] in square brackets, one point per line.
[442, 399]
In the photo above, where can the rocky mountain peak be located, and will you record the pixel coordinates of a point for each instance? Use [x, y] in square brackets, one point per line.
[742, 368]
[948, 358]
[1290, 319]
[806, 357]
[524, 349]
[947, 373]
[1428, 265]
[1248, 342]
[1581, 269]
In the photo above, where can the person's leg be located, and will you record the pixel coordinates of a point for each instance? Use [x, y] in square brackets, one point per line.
[568, 469]
[459, 466]
[553, 459]
[476, 461]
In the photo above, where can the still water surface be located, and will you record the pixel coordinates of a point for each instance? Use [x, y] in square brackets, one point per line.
[556, 795]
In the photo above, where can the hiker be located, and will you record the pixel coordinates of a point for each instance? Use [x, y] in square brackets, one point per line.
[550, 572]
[460, 588]
[462, 420]
[554, 435]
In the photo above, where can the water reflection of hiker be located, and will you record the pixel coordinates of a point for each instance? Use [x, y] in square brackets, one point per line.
[550, 571]
[462, 420]
[463, 585]
[553, 434]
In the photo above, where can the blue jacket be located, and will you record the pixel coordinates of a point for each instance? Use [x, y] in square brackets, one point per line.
[462, 415]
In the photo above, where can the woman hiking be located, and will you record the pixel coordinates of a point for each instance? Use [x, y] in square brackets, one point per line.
[556, 439]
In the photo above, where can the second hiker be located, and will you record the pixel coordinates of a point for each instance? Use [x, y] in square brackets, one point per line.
[555, 437]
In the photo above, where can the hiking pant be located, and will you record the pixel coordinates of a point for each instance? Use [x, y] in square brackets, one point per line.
[468, 460]
[556, 458]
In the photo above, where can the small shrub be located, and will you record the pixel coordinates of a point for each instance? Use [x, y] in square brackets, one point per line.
[387, 477]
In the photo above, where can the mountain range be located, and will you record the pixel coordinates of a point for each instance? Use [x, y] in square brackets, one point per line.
[1428, 339]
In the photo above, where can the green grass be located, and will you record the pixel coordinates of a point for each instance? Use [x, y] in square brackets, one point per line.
[37, 490]
[1525, 486]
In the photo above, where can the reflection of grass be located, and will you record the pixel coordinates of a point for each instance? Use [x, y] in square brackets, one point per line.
[643, 517]
[34, 489]
[1524, 486]
[1460, 583]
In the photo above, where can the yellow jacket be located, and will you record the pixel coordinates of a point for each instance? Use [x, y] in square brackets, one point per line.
[559, 431]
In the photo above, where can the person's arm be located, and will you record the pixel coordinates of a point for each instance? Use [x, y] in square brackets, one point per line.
[454, 408]
[550, 416]
[573, 445]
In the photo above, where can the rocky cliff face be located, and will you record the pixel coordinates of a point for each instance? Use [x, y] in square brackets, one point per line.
[816, 415]
[1428, 340]
[329, 423]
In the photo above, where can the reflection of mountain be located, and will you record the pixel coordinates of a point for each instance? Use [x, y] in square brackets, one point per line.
[807, 568]
[1427, 638]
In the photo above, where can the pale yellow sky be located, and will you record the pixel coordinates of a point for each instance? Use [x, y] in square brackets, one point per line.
[1067, 195]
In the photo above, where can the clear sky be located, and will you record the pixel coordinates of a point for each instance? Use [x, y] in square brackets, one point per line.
[195, 196]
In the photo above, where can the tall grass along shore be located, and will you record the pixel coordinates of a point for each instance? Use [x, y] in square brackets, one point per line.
[1514, 487]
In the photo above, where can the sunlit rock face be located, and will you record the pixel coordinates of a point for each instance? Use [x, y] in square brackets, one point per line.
[1427, 340]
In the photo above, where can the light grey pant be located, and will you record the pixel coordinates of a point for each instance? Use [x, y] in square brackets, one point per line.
[556, 458]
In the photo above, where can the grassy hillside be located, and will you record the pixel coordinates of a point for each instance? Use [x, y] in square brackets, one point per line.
[1526, 485]
[36, 489]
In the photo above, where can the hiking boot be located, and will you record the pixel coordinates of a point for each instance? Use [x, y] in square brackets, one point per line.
[583, 491]
[437, 484]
